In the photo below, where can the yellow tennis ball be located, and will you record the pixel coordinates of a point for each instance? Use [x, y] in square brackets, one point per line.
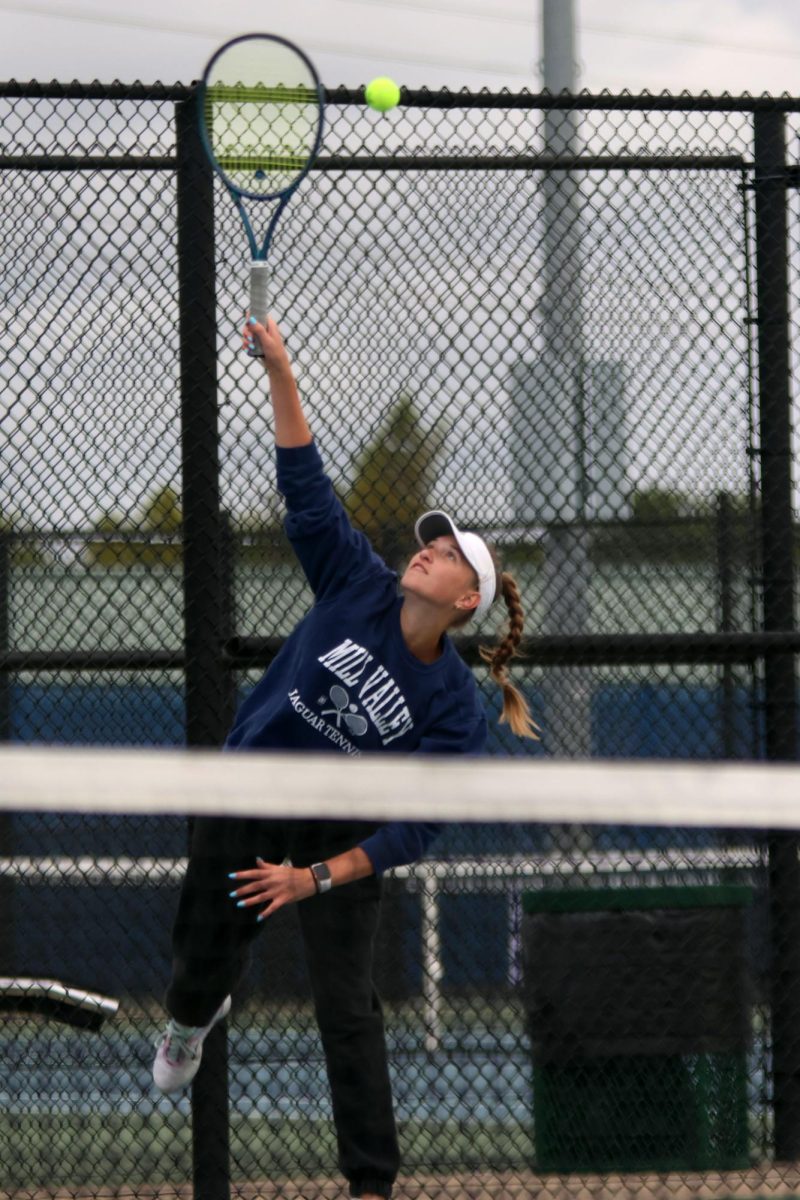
[382, 94]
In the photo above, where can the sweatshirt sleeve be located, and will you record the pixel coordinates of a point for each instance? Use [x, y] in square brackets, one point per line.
[398, 843]
[331, 552]
[401, 842]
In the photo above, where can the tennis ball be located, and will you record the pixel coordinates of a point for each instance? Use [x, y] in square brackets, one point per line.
[382, 94]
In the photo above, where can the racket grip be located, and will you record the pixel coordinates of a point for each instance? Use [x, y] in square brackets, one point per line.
[258, 300]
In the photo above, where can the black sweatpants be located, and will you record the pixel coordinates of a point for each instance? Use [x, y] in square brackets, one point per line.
[211, 952]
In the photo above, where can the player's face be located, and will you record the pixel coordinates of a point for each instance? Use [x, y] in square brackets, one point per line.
[440, 573]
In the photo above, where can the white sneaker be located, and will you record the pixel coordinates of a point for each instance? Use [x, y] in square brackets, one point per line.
[180, 1050]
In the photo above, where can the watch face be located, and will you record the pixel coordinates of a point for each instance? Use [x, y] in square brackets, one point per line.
[322, 876]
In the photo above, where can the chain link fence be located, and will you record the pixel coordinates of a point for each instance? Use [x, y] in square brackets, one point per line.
[572, 324]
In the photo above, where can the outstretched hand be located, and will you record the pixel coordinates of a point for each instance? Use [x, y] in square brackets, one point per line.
[273, 886]
[270, 341]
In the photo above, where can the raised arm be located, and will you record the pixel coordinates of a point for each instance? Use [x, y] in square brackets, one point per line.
[332, 554]
[291, 427]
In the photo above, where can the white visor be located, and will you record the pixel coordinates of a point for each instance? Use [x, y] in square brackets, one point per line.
[437, 524]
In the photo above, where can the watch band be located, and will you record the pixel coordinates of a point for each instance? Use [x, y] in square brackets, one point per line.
[322, 877]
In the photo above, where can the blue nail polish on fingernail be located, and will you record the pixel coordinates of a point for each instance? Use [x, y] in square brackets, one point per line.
[232, 895]
[232, 875]
[252, 321]
[240, 904]
[261, 916]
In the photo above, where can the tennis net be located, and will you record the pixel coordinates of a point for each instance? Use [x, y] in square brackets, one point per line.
[590, 981]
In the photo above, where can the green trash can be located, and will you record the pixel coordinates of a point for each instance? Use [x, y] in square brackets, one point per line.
[638, 1010]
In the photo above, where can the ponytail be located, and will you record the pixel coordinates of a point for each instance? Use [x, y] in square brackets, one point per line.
[516, 713]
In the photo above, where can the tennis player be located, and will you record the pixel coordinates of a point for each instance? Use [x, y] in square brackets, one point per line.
[369, 668]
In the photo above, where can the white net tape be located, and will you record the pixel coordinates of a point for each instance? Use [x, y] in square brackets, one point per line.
[143, 782]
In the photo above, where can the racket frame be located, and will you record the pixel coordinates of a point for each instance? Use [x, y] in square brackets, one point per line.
[258, 252]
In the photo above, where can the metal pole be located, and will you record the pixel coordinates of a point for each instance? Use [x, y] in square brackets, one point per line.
[209, 694]
[772, 291]
[227, 621]
[561, 417]
[725, 554]
[5, 631]
[432, 966]
[6, 818]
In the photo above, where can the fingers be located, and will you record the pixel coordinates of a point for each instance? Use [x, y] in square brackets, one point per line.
[267, 884]
[268, 335]
[253, 889]
[267, 328]
[256, 879]
[262, 871]
[272, 901]
[254, 872]
[254, 331]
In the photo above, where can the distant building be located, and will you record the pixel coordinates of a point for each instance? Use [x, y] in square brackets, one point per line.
[569, 442]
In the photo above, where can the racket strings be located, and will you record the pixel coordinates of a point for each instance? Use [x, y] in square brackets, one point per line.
[244, 93]
[261, 136]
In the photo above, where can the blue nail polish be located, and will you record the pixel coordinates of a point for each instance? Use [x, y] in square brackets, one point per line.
[252, 321]
[232, 875]
[232, 895]
[240, 904]
[261, 916]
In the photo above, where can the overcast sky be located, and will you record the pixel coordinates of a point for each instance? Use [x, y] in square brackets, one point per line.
[714, 45]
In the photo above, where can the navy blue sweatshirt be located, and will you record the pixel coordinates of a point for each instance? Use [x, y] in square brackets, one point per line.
[345, 681]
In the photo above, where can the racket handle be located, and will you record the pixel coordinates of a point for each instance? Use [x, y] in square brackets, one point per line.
[258, 300]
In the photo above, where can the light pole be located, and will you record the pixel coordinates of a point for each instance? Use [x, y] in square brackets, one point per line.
[550, 433]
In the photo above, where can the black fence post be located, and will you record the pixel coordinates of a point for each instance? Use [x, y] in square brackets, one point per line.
[227, 560]
[725, 560]
[208, 683]
[772, 290]
[6, 818]
[5, 632]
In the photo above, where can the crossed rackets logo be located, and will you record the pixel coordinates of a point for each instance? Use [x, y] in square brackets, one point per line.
[343, 710]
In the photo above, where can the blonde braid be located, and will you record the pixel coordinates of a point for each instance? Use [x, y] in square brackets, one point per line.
[515, 712]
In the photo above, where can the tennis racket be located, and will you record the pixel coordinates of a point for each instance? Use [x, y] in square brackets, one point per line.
[261, 113]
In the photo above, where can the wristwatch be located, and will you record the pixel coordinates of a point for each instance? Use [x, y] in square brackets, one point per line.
[322, 877]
